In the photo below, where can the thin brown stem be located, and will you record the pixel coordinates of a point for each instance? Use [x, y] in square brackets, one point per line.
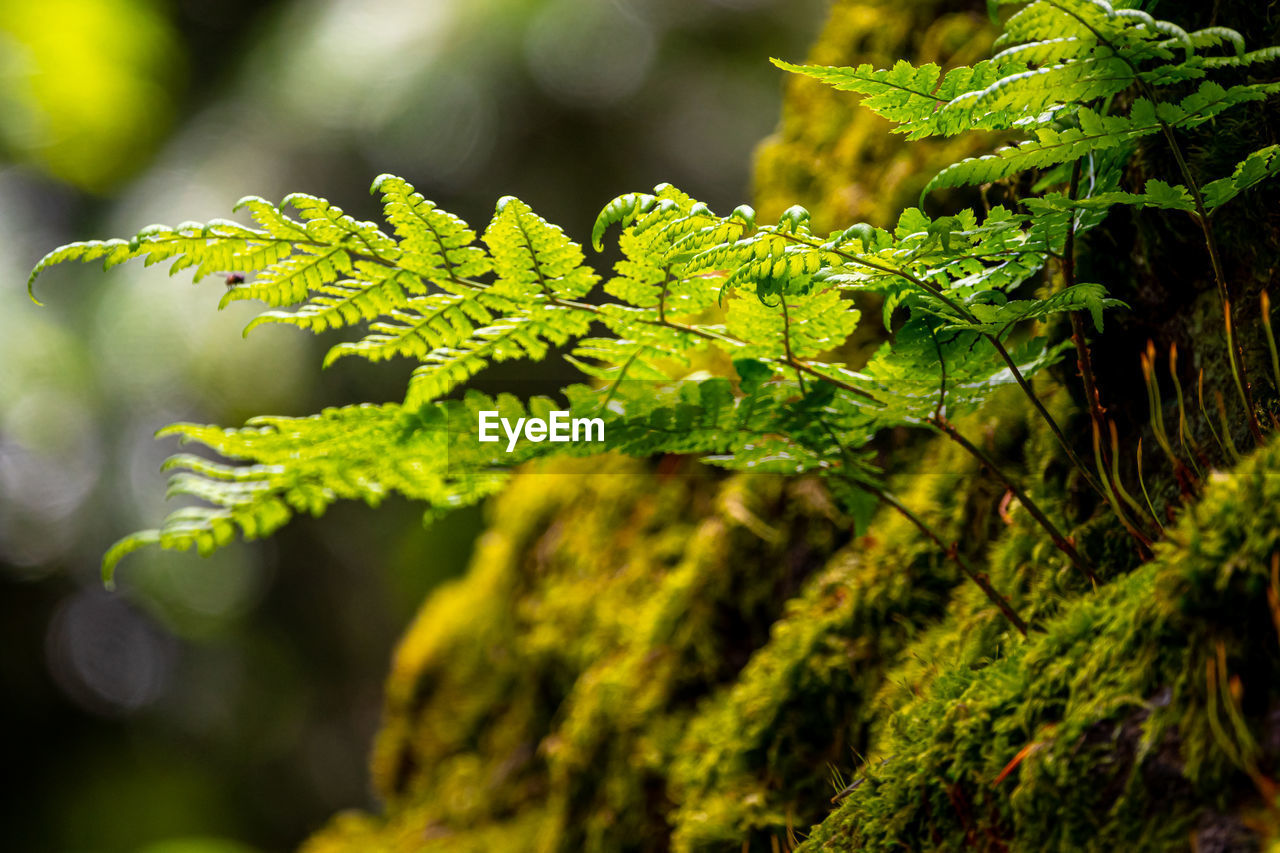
[979, 578]
[940, 410]
[1235, 353]
[1144, 542]
[786, 345]
[1059, 540]
[1084, 362]
[843, 386]
[1048, 418]
[936, 292]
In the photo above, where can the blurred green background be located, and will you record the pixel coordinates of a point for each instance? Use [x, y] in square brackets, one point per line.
[226, 705]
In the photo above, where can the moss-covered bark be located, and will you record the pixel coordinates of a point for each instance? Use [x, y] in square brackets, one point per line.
[651, 657]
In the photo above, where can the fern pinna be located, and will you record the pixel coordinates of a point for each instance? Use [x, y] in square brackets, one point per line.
[1079, 80]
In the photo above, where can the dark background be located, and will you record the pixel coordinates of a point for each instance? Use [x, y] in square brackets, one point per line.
[225, 705]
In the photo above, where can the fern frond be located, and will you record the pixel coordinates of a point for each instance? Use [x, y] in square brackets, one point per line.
[1050, 51]
[812, 324]
[916, 99]
[435, 248]
[303, 465]
[615, 359]
[1084, 80]
[274, 221]
[1051, 147]
[426, 325]
[624, 209]
[1040, 20]
[908, 373]
[111, 252]
[1156, 195]
[434, 244]
[997, 318]
[644, 328]
[1211, 99]
[1253, 57]
[531, 256]
[327, 224]
[1254, 169]
[1214, 36]
[209, 248]
[289, 280]
[434, 455]
[529, 334]
[654, 272]
[326, 244]
[346, 303]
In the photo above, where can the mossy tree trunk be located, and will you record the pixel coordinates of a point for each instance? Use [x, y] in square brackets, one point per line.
[650, 657]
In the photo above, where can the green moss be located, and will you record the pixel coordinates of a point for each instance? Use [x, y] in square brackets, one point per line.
[749, 764]
[1123, 745]
[414, 831]
[656, 657]
[605, 600]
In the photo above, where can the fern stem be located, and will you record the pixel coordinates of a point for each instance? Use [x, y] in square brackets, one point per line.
[1118, 483]
[843, 386]
[613, 387]
[979, 578]
[786, 332]
[1063, 544]
[884, 495]
[1265, 300]
[1048, 418]
[1226, 427]
[1204, 414]
[1182, 417]
[1145, 494]
[1084, 361]
[791, 360]
[936, 292]
[1235, 353]
[1144, 542]
[939, 411]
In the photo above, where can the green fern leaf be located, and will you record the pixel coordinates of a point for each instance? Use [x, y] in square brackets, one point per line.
[111, 252]
[428, 324]
[811, 324]
[916, 99]
[345, 303]
[290, 280]
[1253, 57]
[1157, 194]
[1051, 147]
[530, 334]
[434, 244]
[999, 318]
[275, 223]
[1254, 169]
[532, 256]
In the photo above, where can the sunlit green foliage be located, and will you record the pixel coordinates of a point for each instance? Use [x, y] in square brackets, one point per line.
[456, 305]
[772, 300]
